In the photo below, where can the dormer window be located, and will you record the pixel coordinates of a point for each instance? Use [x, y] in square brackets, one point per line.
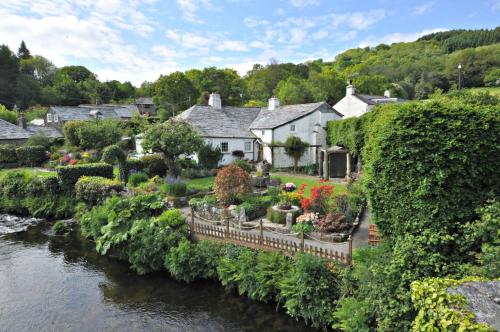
[56, 118]
[49, 117]
[292, 127]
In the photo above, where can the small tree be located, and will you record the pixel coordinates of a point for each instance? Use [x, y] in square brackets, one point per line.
[172, 139]
[209, 156]
[112, 154]
[295, 148]
[231, 181]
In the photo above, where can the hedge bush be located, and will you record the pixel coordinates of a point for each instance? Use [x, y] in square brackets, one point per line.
[70, 132]
[95, 189]
[136, 179]
[31, 155]
[70, 174]
[153, 165]
[8, 154]
[243, 164]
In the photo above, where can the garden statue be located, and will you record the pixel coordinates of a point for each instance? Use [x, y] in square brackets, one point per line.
[243, 217]
[289, 221]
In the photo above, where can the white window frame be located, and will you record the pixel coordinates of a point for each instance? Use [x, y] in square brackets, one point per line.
[49, 117]
[292, 128]
[222, 147]
[249, 146]
[56, 118]
[263, 132]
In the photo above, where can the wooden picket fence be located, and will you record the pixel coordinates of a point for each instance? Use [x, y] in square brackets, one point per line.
[373, 235]
[257, 241]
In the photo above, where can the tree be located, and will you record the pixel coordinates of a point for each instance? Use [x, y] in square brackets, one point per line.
[174, 92]
[225, 82]
[113, 154]
[294, 148]
[293, 91]
[328, 85]
[23, 52]
[9, 69]
[492, 77]
[172, 139]
[7, 115]
[209, 156]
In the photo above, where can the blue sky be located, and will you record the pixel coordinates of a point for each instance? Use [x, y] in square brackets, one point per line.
[138, 40]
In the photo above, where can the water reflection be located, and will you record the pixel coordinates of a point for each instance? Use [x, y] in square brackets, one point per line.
[52, 283]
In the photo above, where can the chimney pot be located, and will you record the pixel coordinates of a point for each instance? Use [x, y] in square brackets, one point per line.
[350, 90]
[387, 93]
[215, 101]
[22, 121]
[273, 103]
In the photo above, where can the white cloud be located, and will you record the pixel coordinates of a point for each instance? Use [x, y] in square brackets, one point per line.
[398, 37]
[190, 8]
[206, 43]
[304, 3]
[422, 9]
[356, 20]
[230, 45]
[321, 34]
[253, 22]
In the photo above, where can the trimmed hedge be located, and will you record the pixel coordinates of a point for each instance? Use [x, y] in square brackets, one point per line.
[8, 154]
[95, 189]
[70, 174]
[154, 165]
[31, 155]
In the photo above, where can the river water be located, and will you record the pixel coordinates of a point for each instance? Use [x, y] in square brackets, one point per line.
[53, 283]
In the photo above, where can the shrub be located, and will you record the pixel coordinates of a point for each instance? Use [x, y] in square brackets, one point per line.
[70, 132]
[60, 228]
[114, 154]
[8, 154]
[7, 115]
[133, 166]
[255, 207]
[136, 179]
[175, 187]
[153, 165]
[39, 139]
[98, 134]
[271, 268]
[70, 174]
[310, 290]
[94, 190]
[209, 156]
[231, 182]
[31, 155]
[243, 164]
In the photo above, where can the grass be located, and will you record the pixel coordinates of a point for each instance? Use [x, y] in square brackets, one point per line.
[495, 91]
[33, 171]
[338, 188]
[201, 184]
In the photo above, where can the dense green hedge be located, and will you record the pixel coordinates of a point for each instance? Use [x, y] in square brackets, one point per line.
[8, 154]
[153, 165]
[93, 134]
[22, 192]
[95, 189]
[70, 174]
[31, 155]
[347, 133]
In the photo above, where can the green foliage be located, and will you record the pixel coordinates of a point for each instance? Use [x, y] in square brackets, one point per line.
[31, 155]
[255, 206]
[70, 131]
[39, 139]
[454, 40]
[347, 133]
[153, 165]
[94, 190]
[190, 261]
[98, 134]
[136, 179]
[8, 153]
[172, 139]
[293, 91]
[114, 154]
[174, 93]
[492, 77]
[60, 227]
[209, 156]
[311, 290]
[70, 174]
[243, 164]
[7, 115]
[176, 187]
[439, 310]
[295, 148]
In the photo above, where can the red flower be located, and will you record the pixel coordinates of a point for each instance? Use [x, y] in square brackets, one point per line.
[72, 162]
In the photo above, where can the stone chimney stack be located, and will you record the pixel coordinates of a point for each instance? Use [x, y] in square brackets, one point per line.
[215, 101]
[350, 90]
[273, 103]
[22, 121]
[387, 93]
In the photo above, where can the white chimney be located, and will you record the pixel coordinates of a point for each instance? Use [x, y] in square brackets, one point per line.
[387, 93]
[215, 101]
[350, 90]
[273, 103]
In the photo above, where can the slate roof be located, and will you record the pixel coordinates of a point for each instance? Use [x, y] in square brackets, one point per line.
[283, 114]
[9, 131]
[144, 101]
[47, 131]
[374, 100]
[228, 122]
[82, 112]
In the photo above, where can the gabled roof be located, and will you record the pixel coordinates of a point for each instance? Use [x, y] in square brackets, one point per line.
[10, 131]
[50, 132]
[227, 122]
[83, 112]
[374, 100]
[144, 101]
[283, 114]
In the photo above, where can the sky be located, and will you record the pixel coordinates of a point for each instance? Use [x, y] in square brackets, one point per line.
[137, 40]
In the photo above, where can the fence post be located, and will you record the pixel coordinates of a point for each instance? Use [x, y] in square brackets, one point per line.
[302, 239]
[227, 227]
[349, 260]
[192, 220]
[261, 239]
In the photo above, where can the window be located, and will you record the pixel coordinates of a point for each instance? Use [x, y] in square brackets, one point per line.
[263, 132]
[49, 117]
[292, 127]
[224, 147]
[56, 118]
[248, 146]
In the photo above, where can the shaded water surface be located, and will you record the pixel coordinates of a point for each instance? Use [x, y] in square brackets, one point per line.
[52, 283]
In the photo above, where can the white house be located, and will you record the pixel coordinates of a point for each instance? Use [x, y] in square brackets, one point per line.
[253, 129]
[357, 104]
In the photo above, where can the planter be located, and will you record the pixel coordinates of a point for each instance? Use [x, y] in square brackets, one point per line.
[260, 181]
[278, 216]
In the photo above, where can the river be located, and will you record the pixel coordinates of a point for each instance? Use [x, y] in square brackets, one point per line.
[55, 283]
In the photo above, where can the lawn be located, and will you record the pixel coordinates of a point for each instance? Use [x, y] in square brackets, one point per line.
[34, 171]
[492, 90]
[206, 183]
